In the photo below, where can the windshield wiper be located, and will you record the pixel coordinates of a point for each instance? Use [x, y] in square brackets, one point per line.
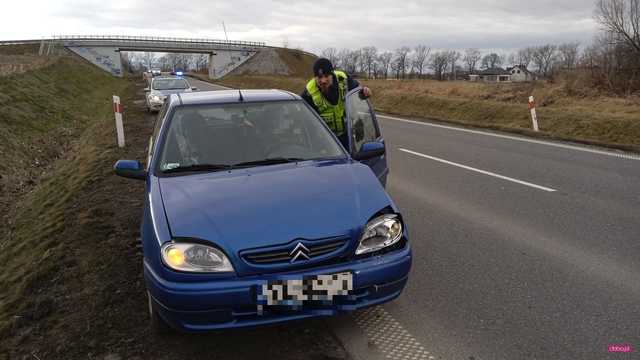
[268, 161]
[198, 167]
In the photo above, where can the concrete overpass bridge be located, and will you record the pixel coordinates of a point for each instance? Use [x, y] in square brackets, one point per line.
[105, 51]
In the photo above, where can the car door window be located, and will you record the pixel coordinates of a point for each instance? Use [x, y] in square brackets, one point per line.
[363, 128]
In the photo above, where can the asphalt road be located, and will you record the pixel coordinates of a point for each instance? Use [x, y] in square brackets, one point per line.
[508, 270]
[204, 86]
[523, 249]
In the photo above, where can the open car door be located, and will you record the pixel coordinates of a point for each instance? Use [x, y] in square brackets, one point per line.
[364, 134]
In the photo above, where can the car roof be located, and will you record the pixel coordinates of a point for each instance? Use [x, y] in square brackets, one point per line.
[232, 96]
[165, 77]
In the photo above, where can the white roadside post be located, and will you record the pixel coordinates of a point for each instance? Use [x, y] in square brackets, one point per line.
[117, 109]
[532, 108]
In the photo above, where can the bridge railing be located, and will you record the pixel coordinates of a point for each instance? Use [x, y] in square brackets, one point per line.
[121, 38]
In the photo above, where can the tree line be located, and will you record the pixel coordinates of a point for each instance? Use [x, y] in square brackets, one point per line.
[421, 61]
[611, 61]
[141, 61]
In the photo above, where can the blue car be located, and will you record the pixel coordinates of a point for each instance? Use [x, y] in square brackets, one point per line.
[256, 213]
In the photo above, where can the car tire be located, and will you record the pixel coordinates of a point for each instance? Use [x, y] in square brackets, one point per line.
[157, 323]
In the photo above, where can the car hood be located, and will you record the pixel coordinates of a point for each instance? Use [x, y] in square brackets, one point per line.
[169, 92]
[271, 205]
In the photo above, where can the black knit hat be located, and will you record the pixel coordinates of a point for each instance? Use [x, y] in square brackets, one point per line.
[322, 66]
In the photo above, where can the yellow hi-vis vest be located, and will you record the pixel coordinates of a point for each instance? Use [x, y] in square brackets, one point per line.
[333, 115]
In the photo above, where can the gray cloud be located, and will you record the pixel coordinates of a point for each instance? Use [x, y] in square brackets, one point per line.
[314, 25]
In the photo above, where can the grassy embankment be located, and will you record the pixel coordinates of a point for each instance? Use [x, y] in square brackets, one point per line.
[563, 111]
[57, 145]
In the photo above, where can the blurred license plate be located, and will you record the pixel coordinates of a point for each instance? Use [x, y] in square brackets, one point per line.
[296, 292]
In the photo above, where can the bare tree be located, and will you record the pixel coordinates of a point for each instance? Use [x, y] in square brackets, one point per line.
[385, 61]
[128, 61]
[524, 56]
[362, 64]
[568, 55]
[543, 58]
[348, 60]
[164, 63]
[420, 58]
[368, 57]
[173, 61]
[149, 59]
[471, 58]
[491, 61]
[512, 59]
[411, 64]
[400, 62]
[438, 63]
[452, 58]
[622, 18]
[331, 54]
[354, 59]
[342, 59]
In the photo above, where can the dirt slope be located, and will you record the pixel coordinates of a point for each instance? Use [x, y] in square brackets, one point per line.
[277, 61]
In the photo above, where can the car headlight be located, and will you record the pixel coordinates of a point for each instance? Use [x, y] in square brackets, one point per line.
[383, 231]
[155, 98]
[195, 258]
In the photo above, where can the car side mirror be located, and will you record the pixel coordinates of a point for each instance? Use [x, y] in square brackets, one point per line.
[194, 88]
[131, 169]
[370, 150]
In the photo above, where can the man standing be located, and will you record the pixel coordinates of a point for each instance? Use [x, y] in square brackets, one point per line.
[326, 94]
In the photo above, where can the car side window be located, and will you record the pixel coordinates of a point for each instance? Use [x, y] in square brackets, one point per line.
[363, 128]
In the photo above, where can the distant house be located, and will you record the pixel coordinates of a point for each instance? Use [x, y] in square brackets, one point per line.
[491, 75]
[519, 73]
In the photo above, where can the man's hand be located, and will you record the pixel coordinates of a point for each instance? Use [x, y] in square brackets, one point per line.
[366, 91]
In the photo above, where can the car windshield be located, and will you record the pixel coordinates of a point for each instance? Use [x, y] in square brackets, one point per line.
[169, 84]
[215, 137]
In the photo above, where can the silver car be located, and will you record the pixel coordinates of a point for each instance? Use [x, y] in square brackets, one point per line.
[161, 87]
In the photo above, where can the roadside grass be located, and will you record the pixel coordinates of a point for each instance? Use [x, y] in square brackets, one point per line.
[299, 63]
[56, 128]
[43, 111]
[564, 111]
[20, 49]
[289, 83]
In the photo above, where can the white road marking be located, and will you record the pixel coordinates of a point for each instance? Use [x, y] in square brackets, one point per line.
[479, 171]
[621, 155]
[389, 336]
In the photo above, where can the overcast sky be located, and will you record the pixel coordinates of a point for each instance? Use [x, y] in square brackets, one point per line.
[313, 25]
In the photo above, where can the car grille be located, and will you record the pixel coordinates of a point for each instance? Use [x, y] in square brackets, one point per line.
[283, 255]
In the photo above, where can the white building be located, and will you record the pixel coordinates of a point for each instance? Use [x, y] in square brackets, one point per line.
[520, 73]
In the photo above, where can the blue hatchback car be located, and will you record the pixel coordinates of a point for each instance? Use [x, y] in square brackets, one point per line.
[255, 213]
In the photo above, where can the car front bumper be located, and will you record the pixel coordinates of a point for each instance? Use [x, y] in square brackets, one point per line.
[232, 303]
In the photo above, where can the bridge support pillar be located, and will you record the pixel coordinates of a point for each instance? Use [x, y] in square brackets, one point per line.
[212, 69]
